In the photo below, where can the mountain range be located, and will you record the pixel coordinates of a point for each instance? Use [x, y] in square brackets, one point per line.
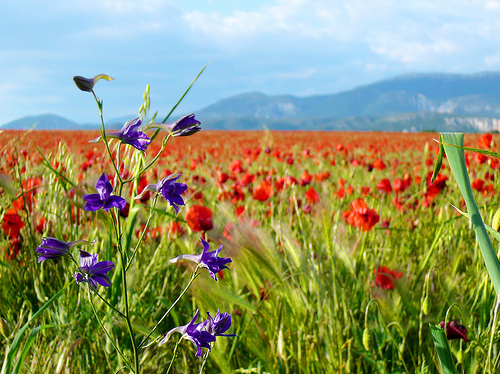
[411, 102]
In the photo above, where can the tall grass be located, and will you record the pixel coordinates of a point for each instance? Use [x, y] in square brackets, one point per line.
[300, 287]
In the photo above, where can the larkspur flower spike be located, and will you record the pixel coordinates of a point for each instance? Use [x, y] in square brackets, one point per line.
[129, 134]
[103, 198]
[94, 272]
[207, 260]
[87, 84]
[184, 126]
[52, 248]
[195, 333]
[169, 189]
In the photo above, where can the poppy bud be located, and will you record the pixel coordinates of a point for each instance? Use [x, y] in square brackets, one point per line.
[367, 339]
[425, 305]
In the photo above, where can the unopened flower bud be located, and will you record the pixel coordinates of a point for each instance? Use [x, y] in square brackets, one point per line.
[425, 305]
[87, 84]
[367, 339]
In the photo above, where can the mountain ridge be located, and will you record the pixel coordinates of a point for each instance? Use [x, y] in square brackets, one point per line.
[410, 102]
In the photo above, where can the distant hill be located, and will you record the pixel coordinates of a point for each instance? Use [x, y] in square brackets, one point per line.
[42, 122]
[56, 122]
[477, 95]
[412, 102]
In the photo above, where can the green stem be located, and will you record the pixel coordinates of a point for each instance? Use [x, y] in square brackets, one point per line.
[103, 136]
[204, 362]
[106, 331]
[193, 277]
[173, 357]
[142, 233]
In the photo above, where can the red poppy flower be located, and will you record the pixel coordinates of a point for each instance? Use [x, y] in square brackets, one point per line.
[360, 215]
[455, 330]
[384, 185]
[199, 218]
[12, 223]
[477, 184]
[305, 179]
[485, 140]
[385, 277]
[320, 177]
[263, 192]
[312, 196]
[399, 185]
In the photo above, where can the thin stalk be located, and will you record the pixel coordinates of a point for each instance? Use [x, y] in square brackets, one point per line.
[103, 135]
[204, 362]
[142, 233]
[193, 277]
[173, 357]
[106, 332]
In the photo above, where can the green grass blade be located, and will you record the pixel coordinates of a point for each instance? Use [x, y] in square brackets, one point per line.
[452, 143]
[439, 161]
[29, 342]
[443, 350]
[12, 350]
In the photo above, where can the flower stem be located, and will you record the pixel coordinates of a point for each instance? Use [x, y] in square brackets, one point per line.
[106, 331]
[193, 277]
[173, 357]
[103, 135]
[142, 233]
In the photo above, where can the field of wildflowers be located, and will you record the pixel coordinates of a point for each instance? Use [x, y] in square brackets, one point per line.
[269, 252]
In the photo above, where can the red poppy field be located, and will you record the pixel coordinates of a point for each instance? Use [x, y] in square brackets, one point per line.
[343, 251]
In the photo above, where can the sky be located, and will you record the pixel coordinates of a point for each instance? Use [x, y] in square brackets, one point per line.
[295, 47]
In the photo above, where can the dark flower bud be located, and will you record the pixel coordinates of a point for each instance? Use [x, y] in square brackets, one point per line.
[87, 84]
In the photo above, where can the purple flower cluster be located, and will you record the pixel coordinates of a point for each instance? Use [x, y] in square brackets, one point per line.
[169, 189]
[130, 134]
[92, 271]
[207, 260]
[204, 333]
[103, 198]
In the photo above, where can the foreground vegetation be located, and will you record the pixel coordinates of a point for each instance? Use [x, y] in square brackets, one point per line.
[343, 253]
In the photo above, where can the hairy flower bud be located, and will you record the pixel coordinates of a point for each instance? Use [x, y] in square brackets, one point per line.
[367, 339]
[87, 84]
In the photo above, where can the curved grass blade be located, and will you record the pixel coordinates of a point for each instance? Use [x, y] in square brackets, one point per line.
[453, 143]
[443, 350]
[14, 347]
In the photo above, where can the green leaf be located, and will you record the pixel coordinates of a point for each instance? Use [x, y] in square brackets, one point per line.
[14, 347]
[27, 346]
[453, 145]
[443, 349]
[439, 161]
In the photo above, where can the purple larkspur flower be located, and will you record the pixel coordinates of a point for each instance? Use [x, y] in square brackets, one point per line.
[206, 259]
[455, 330]
[195, 333]
[94, 272]
[218, 325]
[129, 134]
[103, 198]
[87, 84]
[184, 126]
[169, 189]
[52, 248]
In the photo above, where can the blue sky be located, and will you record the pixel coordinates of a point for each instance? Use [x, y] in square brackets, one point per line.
[298, 47]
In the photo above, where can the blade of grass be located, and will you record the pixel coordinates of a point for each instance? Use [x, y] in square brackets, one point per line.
[12, 350]
[456, 158]
[443, 350]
